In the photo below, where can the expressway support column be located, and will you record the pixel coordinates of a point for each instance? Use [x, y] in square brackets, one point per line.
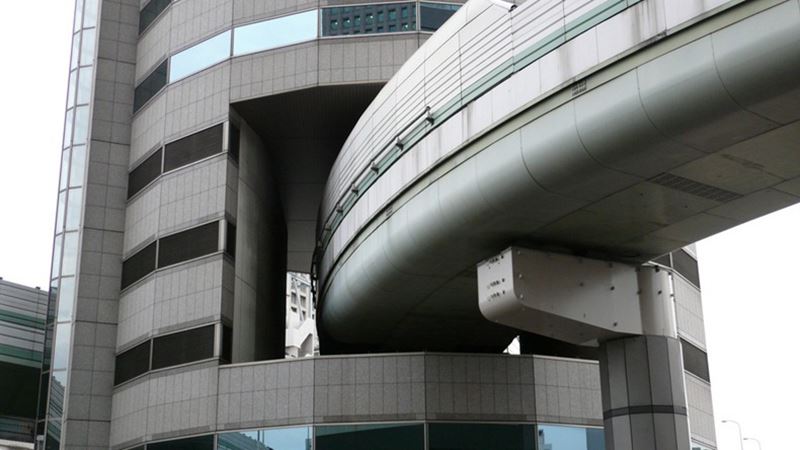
[644, 401]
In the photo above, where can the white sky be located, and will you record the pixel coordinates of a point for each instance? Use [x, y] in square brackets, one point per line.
[747, 273]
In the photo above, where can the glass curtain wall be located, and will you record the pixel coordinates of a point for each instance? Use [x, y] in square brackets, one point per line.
[64, 268]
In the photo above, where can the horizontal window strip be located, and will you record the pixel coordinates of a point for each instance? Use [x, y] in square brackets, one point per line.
[686, 265]
[132, 363]
[21, 319]
[189, 244]
[184, 347]
[173, 249]
[20, 353]
[695, 360]
[193, 148]
[139, 265]
[150, 13]
[170, 350]
[151, 85]
[145, 173]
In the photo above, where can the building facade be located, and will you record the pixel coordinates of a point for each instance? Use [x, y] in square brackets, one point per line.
[22, 320]
[301, 323]
[212, 147]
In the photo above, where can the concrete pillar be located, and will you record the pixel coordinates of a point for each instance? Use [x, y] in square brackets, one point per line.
[644, 395]
[644, 401]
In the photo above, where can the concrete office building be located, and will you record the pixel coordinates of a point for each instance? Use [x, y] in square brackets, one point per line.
[22, 319]
[301, 324]
[451, 177]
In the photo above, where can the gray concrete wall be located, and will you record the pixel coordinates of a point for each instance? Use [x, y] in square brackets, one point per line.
[363, 388]
[259, 295]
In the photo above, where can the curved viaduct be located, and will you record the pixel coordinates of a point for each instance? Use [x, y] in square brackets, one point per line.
[613, 129]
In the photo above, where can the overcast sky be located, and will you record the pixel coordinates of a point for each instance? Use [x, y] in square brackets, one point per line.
[747, 274]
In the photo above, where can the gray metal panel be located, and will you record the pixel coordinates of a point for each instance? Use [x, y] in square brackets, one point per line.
[736, 55]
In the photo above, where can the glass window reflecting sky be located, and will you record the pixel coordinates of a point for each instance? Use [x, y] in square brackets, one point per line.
[199, 57]
[275, 33]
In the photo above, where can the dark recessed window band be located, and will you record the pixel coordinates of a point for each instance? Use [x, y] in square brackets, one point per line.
[150, 13]
[151, 85]
[189, 244]
[645, 409]
[184, 347]
[695, 360]
[139, 265]
[686, 265]
[193, 148]
[145, 173]
[165, 351]
[173, 249]
[177, 154]
[192, 443]
[132, 363]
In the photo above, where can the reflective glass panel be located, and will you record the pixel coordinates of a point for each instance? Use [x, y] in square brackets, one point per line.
[60, 209]
[66, 299]
[370, 437]
[188, 244]
[686, 265]
[85, 85]
[274, 439]
[62, 345]
[73, 81]
[90, 14]
[68, 127]
[62, 184]
[75, 200]
[275, 33]
[434, 15]
[56, 256]
[81, 125]
[553, 437]
[199, 57]
[70, 258]
[473, 436]
[193, 148]
[76, 50]
[78, 15]
[367, 19]
[77, 166]
[87, 47]
[58, 384]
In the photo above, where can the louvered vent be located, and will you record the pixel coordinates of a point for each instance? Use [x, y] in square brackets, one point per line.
[693, 187]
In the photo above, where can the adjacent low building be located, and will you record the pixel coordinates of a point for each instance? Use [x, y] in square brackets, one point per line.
[22, 322]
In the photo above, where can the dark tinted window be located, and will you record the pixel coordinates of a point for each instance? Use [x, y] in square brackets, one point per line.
[695, 360]
[233, 142]
[685, 265]
[663, 260]
[183, 347]
[132, 363]
[188, 244]
[370, 437]
[434, 15]
[195, 443]
[150, 12]
[139, 265]
[146, 172]
[230, 240]
[227, 343]
[193, 148]
[467, 436]
[367, 19]
[150, 86]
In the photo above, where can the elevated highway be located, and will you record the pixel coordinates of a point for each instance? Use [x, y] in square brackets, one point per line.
[613, 129]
